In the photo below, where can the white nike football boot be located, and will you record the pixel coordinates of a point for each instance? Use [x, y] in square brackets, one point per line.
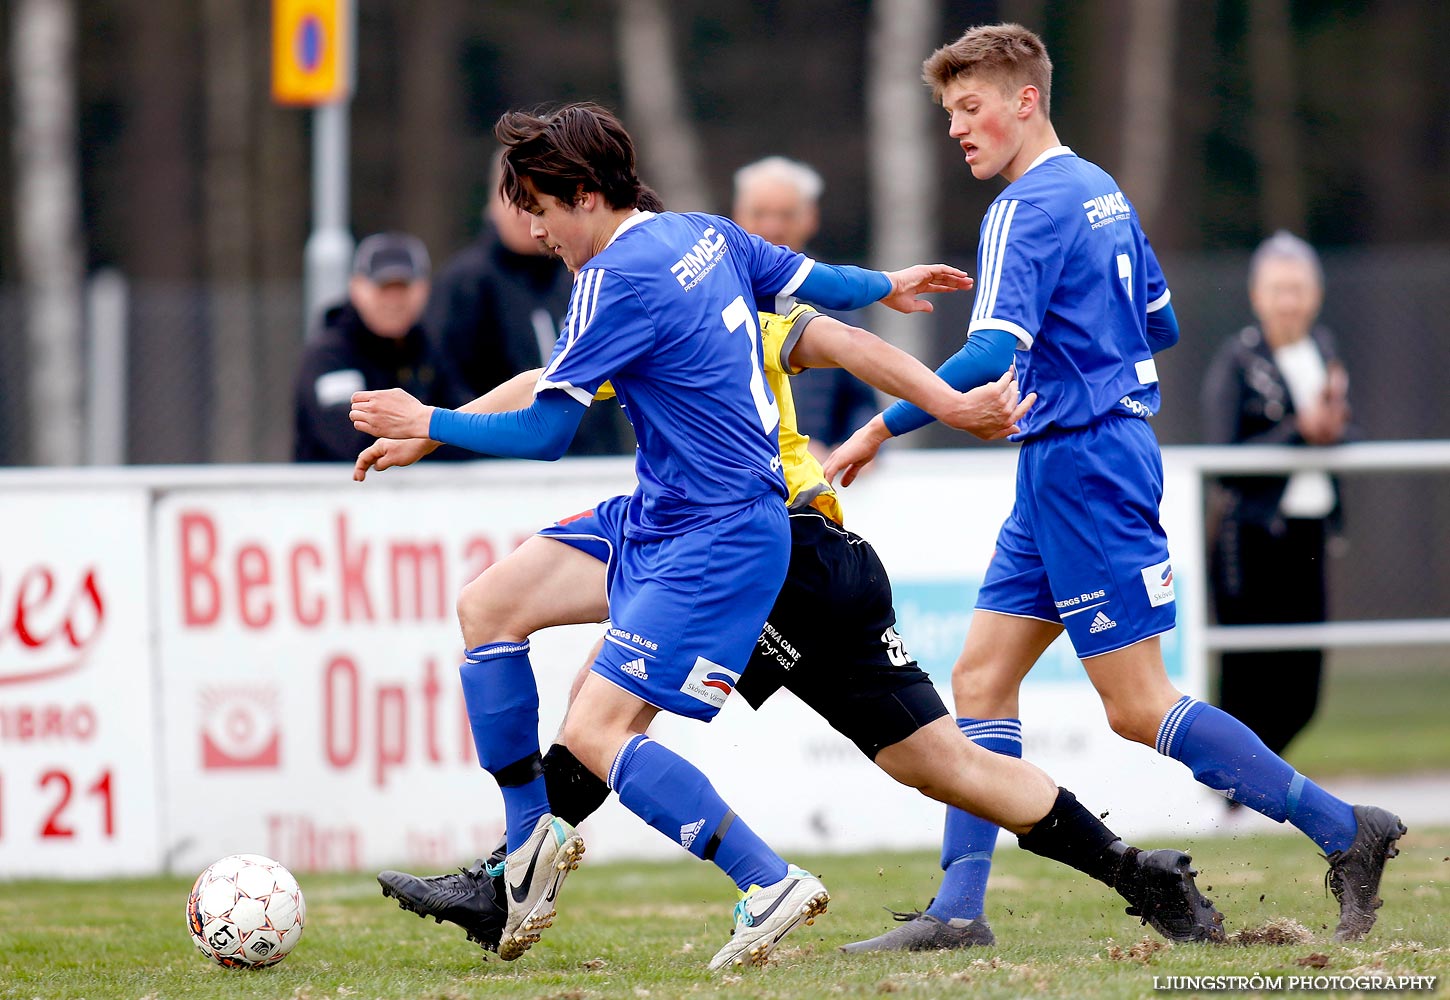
[765, 915]
[533, 873]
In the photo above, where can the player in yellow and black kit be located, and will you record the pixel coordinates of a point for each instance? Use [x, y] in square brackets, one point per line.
[830, 639]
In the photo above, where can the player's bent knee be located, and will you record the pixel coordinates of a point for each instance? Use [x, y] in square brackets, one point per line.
[980, 691]
[584, 740]
[1132, 724]
[490, 611]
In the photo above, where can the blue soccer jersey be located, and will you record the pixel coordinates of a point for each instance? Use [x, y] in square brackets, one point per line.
[667, 314]
[1064, 266]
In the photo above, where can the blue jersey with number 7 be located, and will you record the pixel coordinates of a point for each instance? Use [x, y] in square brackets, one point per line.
[1064, 266]
[667, 314]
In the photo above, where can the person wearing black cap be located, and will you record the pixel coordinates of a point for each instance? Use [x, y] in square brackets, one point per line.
[371, 341]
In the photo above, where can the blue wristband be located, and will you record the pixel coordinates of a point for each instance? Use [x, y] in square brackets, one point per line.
[982, 359]
[841, 286]
[543, 430]
[1162, 329]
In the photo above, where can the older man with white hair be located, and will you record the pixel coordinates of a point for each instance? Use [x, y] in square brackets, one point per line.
[778, 199]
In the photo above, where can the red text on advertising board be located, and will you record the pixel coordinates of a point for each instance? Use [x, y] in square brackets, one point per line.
[47, 723]
[388, 726]
[59, 819]
[335, 576]
[48, 622]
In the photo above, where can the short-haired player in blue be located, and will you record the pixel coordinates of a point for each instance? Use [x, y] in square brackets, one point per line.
[1069, 285]
[664, 308]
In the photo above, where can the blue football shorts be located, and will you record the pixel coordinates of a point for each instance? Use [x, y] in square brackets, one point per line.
[685, 612]
[1083, 545]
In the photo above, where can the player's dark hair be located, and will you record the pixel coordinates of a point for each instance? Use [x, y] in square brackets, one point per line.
[568, 151]
[1006, 53]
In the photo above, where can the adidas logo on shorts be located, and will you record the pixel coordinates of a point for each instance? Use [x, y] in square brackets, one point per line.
[689, 832]
[1101, 623]
[635, 668]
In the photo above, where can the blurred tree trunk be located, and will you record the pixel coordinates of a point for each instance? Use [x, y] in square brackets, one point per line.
[227, 186]
[48, 221]
[669, 146]
[281, 211]
[903, 177]
[1148, 101]
[163, 254]
[430, 126]
[1402, 115]
[1282, 203]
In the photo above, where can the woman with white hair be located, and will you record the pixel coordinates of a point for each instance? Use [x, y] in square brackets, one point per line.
[1277, 381]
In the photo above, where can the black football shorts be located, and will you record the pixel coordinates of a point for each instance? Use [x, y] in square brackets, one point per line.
[831, 641]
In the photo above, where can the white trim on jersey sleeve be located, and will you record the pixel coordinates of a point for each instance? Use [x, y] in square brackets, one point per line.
[1160, 301]
[582, 396]
[785, 299]
[993, 323]
[796, 279]
[994, 248]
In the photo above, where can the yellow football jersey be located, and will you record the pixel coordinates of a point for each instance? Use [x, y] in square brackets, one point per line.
[804, 477]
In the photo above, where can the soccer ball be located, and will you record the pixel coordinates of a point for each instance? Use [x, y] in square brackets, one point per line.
[245, 911]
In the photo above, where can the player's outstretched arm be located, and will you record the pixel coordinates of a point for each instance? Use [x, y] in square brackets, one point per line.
[988, 413]
[389, 453]
[999, 399]
[541, 431]
[841, 286]
[923, 279]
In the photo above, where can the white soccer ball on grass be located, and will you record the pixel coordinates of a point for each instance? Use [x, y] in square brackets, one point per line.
[245, 911]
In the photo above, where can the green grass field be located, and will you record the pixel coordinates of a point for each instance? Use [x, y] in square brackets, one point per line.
[1381, 712]
[636, 930]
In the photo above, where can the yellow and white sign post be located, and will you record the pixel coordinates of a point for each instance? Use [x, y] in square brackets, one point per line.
[311, 51]
[313, 66]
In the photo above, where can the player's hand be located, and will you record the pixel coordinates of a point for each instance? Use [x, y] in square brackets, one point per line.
[857, 452]
[923, 279]
[991, 411]
[388, 453]
[389, 413]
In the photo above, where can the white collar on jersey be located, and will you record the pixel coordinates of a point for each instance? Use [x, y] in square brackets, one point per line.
[1049, 153]
[630, 221]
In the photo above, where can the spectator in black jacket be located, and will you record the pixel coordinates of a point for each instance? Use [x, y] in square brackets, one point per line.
[371, 341]
[496, 310]
[1278, 381]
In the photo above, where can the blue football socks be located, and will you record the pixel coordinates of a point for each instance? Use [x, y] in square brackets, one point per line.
[968, 841]
[503, 712]
[1225, 755]
[671, 795]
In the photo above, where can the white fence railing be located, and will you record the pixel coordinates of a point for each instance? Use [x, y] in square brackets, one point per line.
[1360, 458]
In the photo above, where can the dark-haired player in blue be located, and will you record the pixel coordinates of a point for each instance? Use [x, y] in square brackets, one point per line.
[1069, 285]
[664, 308]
